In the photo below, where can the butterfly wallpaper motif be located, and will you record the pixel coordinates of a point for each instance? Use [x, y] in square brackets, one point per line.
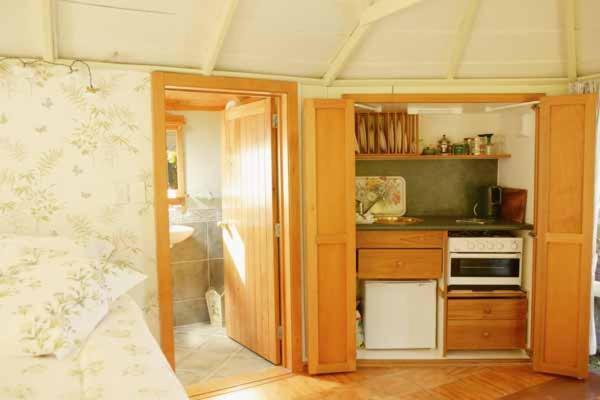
[63, 151]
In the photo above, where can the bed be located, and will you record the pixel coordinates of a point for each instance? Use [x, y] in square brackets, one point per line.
[119, 358]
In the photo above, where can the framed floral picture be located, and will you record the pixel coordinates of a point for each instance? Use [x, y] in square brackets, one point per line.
[382, 195]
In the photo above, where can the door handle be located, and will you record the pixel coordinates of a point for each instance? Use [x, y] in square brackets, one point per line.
[533, 234]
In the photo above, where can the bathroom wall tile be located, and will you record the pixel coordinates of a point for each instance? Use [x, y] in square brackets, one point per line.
[190, 311]
[190, 280]
[194, 248]
[215, 240]
[216, 277]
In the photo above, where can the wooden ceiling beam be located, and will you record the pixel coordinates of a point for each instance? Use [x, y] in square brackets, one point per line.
[48, 30]
[570, 39]
[384, 8]
[216, 42]
[373, 13]
[462, 37]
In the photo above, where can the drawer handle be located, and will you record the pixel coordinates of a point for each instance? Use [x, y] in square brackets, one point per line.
[399, 264]
[487, 310]
[485, 334]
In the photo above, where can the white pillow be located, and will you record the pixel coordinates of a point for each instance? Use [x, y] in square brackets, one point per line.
[51, 301]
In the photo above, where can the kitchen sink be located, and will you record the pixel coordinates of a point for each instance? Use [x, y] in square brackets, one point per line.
[476, 221]
[397, 220]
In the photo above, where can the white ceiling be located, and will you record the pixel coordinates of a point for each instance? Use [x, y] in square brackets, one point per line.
[509, 38]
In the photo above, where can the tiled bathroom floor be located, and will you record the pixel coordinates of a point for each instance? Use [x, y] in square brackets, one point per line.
[204, 352]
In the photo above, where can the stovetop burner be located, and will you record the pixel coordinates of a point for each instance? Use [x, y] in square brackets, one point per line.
[473, 234]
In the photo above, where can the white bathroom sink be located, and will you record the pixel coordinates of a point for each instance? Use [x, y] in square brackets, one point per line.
[178, 233]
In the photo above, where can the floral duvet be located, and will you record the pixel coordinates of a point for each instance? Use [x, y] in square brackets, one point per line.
[119, 361]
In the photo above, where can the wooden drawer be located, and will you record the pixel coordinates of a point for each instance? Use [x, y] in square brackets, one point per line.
[487, 308]
[399, 264]
[485, 334]
[399, 239]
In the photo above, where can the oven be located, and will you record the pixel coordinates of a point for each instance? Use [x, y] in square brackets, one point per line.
[488, 263]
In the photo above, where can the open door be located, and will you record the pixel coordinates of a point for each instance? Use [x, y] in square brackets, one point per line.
[564, 224]
[330, 235]
[252, 314]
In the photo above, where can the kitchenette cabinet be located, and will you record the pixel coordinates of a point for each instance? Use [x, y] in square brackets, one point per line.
[550, 318]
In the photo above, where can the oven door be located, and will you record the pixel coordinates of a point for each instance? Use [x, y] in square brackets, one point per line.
[484, 269]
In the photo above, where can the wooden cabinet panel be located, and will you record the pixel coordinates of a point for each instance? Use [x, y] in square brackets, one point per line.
[486, 334]
[400, 264]
[564, 221]
[330, 256]
[487, 308]
[400, 239]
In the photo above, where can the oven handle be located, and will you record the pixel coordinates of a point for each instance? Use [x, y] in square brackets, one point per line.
[486, 255]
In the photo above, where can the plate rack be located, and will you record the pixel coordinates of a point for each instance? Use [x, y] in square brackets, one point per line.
[386, 133]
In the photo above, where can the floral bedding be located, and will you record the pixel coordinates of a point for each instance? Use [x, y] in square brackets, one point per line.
[51, 297]
[119, 360]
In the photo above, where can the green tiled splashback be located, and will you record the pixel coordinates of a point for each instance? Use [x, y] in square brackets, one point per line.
[437, 187]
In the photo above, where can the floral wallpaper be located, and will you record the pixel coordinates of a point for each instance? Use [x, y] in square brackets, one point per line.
[79, 164]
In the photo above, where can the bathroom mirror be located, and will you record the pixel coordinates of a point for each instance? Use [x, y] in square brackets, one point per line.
[176, 192]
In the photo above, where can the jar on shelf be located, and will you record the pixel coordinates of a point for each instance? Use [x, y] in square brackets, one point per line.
[444, 145]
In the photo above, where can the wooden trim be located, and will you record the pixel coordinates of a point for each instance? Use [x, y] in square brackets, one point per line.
[421, 157]
[161, 218]
[220, 386]
[459, 294]
[289, 173]
[445, 97]
[443, 362]
[182, 106]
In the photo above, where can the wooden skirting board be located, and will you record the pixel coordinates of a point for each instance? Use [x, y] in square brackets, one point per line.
[441, 362]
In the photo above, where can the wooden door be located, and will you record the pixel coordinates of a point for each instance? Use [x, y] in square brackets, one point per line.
[330, 235]
[249, 185]
[564, 224]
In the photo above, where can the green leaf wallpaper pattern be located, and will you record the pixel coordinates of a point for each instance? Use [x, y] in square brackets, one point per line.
[63, 152]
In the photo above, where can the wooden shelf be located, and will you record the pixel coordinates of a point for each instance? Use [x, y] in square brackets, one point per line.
[457, 294]
[421, 157]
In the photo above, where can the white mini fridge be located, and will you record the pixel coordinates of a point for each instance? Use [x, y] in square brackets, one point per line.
[400, 314]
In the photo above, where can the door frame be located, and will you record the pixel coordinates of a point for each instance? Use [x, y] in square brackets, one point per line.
[288, 204]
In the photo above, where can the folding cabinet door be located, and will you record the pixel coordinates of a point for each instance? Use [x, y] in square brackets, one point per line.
[330, 234]
[564, 225]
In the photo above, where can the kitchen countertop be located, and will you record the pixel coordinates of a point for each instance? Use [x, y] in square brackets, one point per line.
[435, 223]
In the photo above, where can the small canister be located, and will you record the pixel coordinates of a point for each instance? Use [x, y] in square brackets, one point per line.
[468, 145]
[476, 148]
[458, 149]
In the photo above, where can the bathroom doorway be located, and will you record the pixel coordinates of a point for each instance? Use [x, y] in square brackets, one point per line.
[232, 310]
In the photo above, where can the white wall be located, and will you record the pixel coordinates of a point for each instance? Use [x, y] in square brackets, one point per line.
[457, 127]
[202, 136]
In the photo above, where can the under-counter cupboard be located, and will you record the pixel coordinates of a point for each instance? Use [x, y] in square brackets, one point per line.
[547, 321]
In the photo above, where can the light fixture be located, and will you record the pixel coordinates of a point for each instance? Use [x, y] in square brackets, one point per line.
[423, 109]
[25, 63]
